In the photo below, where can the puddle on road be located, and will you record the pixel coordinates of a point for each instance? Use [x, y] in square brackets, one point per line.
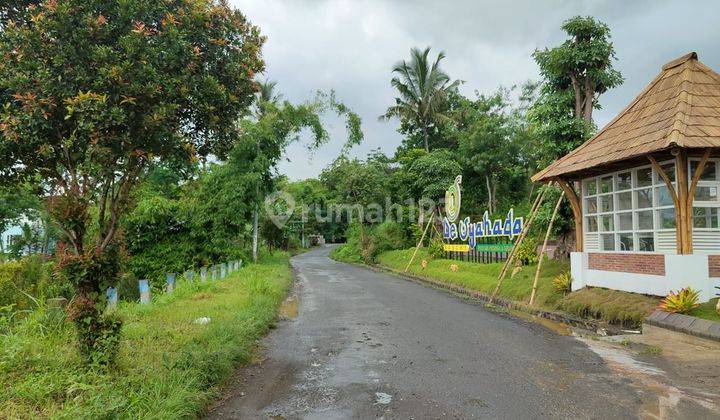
[289, 308]
[559, 328]
[662, 399]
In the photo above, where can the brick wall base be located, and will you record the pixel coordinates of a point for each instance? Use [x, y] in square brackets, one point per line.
[714, 265]
[630, 263]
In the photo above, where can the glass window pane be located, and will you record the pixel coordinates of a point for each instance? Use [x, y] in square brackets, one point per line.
[606, 184]
[591, 205]
[644, 219]
[607, 223]
[643, 177]
[590, 187]
[606, 203]
[623, 181]
[644, 198]
[708, 173]
[663, 195]
[591, 224]
[624, 200]
[608, 242]
[646, 241]
[669, 169]
[705, 217]
[626, 241]
[625, 221]
[667, 218]
[705, 193]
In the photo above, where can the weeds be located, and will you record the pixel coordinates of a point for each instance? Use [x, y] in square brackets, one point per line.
[167, 367]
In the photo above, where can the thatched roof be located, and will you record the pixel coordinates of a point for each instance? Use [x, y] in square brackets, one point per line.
[680, 107]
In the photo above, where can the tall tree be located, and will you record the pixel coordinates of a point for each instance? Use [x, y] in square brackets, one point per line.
[266, 97]
[423, 89]
[488, 147]
[93, 92]
[265, 137]
[575, 74]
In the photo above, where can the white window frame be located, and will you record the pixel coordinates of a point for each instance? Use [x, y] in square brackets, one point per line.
[706, 183]
[656, 183]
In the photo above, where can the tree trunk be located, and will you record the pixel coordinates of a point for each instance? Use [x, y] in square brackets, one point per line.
[589, 97]
[490, 195]
[426, 138]
[255, 234]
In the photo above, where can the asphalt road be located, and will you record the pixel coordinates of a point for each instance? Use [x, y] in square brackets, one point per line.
[368, 345]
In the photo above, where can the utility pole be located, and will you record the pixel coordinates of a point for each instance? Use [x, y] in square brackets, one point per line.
[302, 223]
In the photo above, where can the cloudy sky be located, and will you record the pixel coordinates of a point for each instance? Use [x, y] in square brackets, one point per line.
[351, 45]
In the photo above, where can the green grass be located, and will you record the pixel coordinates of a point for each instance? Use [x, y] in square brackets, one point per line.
[483, 277]
[612, 306]
[707, 311]
[168, 366]
[628, 309]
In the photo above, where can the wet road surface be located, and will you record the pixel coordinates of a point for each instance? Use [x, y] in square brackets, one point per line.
[362, 344]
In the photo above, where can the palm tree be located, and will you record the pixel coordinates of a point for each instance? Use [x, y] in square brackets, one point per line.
[423, 89]
[265, 96]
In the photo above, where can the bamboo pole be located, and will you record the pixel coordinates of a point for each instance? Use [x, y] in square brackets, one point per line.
[544, 247]
[432, 218]
[513, 251]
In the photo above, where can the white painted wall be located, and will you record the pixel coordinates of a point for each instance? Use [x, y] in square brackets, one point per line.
[680, 271]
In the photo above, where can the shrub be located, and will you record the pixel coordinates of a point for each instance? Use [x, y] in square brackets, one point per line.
[436, 248]
[681, 302]
[527, 252]
[30, 276]
[563, 282]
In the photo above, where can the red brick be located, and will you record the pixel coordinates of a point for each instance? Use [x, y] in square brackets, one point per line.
[630, 263]
[714, 265]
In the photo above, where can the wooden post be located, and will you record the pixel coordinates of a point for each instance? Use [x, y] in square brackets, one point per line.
[432, 218]
[682, 189]
[544, 247]
[513, 251]
[691, 199]
[679, 235]
[576, 206]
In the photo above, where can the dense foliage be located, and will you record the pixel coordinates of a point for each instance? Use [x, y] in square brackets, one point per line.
[97, 91]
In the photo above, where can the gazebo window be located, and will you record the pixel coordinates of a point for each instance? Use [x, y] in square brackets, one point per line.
[625, 210]
[707, 200]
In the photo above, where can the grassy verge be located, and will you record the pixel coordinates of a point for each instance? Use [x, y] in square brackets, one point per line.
[707, 311]
[169, 367]
[628, 309]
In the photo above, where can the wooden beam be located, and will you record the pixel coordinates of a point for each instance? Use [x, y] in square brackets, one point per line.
[682, 188]
[691, 198]
[679, 231]
[576, 206]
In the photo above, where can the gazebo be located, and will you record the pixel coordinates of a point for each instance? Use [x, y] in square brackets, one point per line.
[644, 189]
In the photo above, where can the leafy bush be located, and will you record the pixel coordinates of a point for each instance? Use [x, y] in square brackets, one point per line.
[563, 282]
[388, 236]
[527, 252]
[28, 278]
[436, 248]
[384, 237]
[681, 302]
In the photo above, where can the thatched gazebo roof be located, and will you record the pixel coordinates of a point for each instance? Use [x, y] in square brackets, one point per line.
[679, 108]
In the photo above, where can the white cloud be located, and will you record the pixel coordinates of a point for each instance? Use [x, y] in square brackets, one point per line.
[350, 46]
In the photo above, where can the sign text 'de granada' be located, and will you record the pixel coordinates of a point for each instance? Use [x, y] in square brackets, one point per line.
[471, 232]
